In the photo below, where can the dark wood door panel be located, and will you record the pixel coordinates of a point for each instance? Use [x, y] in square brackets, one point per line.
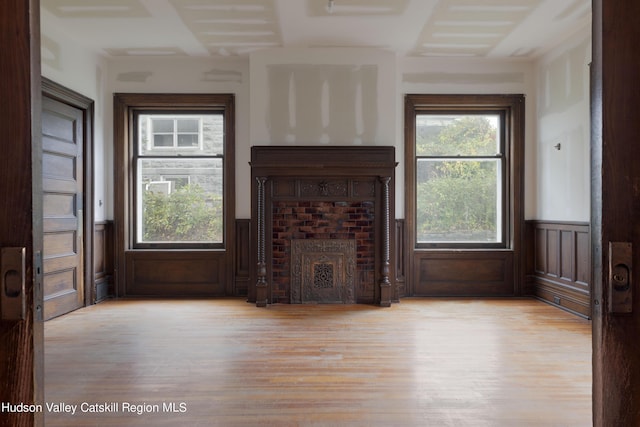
[63, 186]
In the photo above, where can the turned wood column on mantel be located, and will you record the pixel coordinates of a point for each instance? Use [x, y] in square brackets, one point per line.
[342, 185]
[385, 284]
[261, 283]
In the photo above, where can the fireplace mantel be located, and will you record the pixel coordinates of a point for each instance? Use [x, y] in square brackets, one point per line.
[343, 192]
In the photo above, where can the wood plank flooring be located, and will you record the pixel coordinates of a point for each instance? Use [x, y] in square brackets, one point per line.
[423, 362]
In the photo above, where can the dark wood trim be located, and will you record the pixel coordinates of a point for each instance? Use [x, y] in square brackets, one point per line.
[242, 270]
[463, 273]
[22, 341]
[401, 259]
[615, 207]
[513, 106]
[559, 264]
[67, 96]
[103, 260]
[128, 260]
[182, 273]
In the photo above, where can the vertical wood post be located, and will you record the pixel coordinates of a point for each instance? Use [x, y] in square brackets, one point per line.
[385, 284]
[262, 285]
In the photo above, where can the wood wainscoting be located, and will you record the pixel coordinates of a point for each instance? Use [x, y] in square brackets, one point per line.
[242, 262]
[464, 273]
[401, 259]
[102, 261]
[559, 264]
[103, 256]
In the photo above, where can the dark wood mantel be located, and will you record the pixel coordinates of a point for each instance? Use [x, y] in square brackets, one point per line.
[354, 181]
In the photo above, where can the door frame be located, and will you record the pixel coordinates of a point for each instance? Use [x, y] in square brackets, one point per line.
[55, 91]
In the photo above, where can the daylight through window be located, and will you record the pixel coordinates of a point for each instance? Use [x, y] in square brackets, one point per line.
[178, 162]
[459, 184]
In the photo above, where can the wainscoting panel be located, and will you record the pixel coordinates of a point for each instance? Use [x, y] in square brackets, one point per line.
[103, 260]
[172, 273]
[463, 273]
[243, 257]
[559, 264]
[401, 260]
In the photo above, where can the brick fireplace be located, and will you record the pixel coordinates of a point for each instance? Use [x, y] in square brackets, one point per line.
[321, 225]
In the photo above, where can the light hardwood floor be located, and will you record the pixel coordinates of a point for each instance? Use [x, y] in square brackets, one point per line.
[423, 362]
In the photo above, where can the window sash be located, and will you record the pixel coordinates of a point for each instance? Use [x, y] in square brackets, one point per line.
[472, 210]
[465, 219]
[186, 216]
[173, 136]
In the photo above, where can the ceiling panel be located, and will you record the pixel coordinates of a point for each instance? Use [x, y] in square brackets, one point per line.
[223, 28]
[226, 27]
[100, 9]
[470, 28]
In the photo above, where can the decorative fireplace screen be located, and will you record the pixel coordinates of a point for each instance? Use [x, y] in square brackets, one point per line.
[323, 271]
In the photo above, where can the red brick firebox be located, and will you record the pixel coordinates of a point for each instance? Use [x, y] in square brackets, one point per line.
[323, 220]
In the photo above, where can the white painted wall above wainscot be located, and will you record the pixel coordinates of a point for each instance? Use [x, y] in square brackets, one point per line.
[336, 96]
[563, 191]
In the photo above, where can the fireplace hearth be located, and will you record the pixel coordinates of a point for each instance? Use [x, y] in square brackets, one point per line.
[321, 225]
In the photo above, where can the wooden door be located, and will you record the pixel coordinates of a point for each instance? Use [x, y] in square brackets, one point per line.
[616, 212]
[62, 171]
[21, 340]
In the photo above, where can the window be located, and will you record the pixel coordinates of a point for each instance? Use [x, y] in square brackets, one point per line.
[462, 150]
[459, 163]
[171, 210]
[177, 171]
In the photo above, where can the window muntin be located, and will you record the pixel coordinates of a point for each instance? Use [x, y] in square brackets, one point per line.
[179, 185]
[460, 196]
[174, 132]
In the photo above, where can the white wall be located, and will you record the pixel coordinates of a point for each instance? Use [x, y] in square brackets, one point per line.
[67, 63]
[351, 97]
[562, 176]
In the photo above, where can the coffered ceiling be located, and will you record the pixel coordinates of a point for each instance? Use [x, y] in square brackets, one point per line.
[231, 28]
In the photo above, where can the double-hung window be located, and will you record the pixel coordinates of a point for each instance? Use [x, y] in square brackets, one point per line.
[178, 164]
[459, 182]
[463, 175]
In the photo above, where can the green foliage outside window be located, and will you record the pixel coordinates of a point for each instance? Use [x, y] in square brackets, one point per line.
[187, 214]
[457, 200]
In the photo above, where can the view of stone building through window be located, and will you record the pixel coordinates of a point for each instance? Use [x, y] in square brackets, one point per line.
[179, 162]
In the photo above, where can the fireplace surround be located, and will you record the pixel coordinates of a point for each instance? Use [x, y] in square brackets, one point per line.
[331, 197]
